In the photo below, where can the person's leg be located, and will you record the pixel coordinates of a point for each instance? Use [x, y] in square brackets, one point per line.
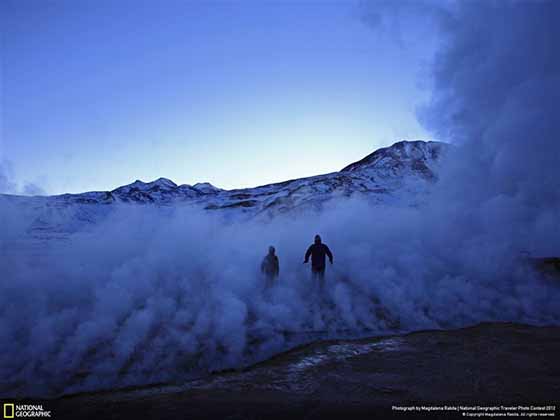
[318, 277]
[315, 277]
[321, 278]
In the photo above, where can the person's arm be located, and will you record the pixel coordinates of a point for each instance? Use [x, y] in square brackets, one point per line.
[329, 254]
[308, 254]
[276, 266]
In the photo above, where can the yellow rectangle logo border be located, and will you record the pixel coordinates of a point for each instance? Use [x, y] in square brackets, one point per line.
[6, 405]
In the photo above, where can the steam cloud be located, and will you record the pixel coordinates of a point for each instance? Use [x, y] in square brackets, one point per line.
[496, 86]
[8, 186]
[154, 295]
[147, 297]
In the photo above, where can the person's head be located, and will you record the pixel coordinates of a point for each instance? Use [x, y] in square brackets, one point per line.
[271, 250]
[317, 239]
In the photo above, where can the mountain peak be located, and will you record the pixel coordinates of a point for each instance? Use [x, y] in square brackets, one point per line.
[163, 182]
[160, 183]
[206, 188]
[416, 153]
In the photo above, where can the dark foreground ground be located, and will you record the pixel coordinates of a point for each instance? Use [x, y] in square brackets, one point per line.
[486, 365]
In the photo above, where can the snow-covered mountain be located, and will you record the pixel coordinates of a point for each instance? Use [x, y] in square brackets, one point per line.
[401, 174]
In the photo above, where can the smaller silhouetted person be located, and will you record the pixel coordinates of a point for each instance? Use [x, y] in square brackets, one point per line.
[270, 266]
[317, 251]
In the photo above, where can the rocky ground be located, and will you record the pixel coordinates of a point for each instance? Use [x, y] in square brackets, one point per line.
[485, 365]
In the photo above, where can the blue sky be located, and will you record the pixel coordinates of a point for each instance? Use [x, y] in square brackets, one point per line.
[96, 94]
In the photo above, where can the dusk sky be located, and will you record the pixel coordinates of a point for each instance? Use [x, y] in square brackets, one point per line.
[97, 94]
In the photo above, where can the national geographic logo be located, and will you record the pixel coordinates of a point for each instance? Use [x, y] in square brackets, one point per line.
[12, 410]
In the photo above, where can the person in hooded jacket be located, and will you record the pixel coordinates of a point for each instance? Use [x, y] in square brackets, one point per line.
[317, 252]
[270, 266]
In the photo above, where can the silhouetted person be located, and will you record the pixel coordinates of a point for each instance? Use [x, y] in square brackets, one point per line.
[317, 251]
[270, 266]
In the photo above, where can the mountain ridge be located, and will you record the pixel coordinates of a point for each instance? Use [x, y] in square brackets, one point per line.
[405, 146]
[398, 175]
